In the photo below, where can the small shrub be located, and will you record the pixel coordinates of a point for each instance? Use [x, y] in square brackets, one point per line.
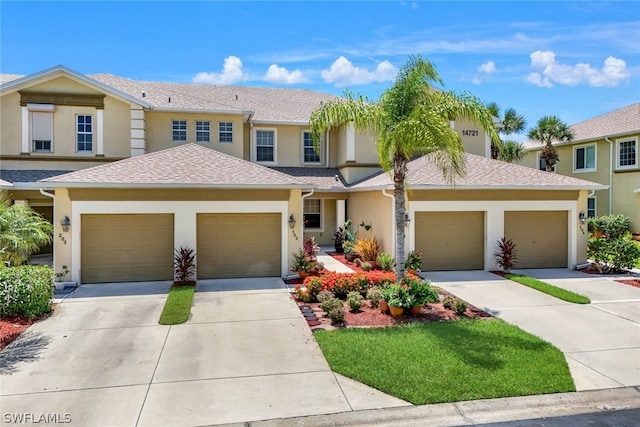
[316, 267]
[386, 261]
[328, 305]
[300, 261]
[612, 226]
[25, 291]
[355, 300]
[507, 255]
[449, 302]
[460, 307]
[337, 314]
[302, 294]
[368, 249]
[314, 286]
[366, 266]
[184, 264]
[374, 296]
[420, 290]
[357, 262]
[324, 295]
[414, 260]
[311, 248]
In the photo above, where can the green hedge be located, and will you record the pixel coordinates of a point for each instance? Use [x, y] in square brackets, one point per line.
[25, 291]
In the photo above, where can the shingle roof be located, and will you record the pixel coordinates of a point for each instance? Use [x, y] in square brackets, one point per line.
[324, 178]
[482, 172]
[267, 104]
[188, 165]
[4, 183]
[618, 122]
[29, 175]
[4, 78]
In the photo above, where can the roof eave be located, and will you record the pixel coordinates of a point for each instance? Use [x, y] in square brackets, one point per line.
[280, 122]
[511, 187]
[59, 184]
[201, 110]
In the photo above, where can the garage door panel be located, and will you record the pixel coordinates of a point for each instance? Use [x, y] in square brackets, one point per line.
[122, 248]
[450, 240]
[239, 245]
[541, 237]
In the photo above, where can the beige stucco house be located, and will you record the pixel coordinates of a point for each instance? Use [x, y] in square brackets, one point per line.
[129, 170]
[604, 150]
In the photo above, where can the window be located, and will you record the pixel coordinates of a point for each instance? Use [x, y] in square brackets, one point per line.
[266, 146]
[309, 154]
[84, 133]
[41, 131]
[591, 207]
[179, 131]
[542, 165]
[203, 131]
[627, 153]
[584, 158]
[312, 214]
[225, 131]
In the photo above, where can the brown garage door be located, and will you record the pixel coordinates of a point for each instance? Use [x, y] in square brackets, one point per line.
[239, 245]
[450, 240]
[540, 236]
[126, 248]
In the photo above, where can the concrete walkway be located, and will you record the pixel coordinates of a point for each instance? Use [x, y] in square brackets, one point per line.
[601, 340]
[245, 354]
[330, 263]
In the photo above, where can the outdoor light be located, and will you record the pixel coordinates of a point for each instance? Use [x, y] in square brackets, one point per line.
[583, 217]
[292, 221]
[65, 223]
[407, 220]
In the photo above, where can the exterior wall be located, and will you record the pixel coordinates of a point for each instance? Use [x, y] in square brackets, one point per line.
[114, 194]
[62, 240]
[625, 201]
[329, 222]
[366, 149]
[63, 84]
[10, 124]
[159, 131]
[353, 173]
[473, 138]
[376, 210]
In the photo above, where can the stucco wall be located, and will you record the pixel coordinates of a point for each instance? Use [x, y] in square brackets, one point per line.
[10, 124]
[473, 137]
[329, 226]
[376, 210]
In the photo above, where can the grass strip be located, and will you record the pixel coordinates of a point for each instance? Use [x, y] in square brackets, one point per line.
[448, 361]
[178, 305]
[554, 291]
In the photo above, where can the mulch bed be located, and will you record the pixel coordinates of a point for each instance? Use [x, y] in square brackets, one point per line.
[12, 327]
[631, 282]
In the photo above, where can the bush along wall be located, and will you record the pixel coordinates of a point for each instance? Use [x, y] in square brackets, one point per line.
[25, 291]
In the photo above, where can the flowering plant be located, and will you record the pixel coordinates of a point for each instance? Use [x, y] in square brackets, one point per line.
[414, 260]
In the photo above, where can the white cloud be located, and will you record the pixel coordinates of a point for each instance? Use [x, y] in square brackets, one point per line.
[342, 72]
[231, 73]
[281, 75]
[486, 70]
[547, 71]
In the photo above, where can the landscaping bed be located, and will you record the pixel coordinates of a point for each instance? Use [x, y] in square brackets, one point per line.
[630, 282]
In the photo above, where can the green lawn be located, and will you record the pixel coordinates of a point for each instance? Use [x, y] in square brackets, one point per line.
[178, 305]
[448, 361]
[554, 291]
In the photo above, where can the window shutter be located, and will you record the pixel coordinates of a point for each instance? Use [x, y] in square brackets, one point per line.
[41, 125]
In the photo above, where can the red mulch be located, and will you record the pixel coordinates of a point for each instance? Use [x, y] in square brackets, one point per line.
[12, 327]
[632, 282]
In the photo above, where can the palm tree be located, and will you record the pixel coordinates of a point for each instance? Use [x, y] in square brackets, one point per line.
[512, 151]
[512, 122]
[22, 232]
[548, 130]
[411, 118]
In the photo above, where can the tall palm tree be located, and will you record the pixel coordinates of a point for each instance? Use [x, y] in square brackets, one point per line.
[411, 118]
[512, 122]
[548, 130]
[22, 232]
[512, 151]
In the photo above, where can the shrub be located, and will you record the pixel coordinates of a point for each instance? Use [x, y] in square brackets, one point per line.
[506, 255]
[366, 266]
[368, 249]
[612, 226]
[300, 261]
[357, 262]
[460, 307]
[330, 304]
[414, 260]
[314, 285]
[420, 290]
[302, 293]
[311, 248]
[25, 291]
[611, 255]
[374, 296]
[355, 300]
[343, 283]
[386, 261]
[184, 265]
[337, 314]
[398, 295]
[324, 295]
[449, 302]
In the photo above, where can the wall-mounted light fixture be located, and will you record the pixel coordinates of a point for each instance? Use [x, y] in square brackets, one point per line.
[582, 216]
[292, 221]
[407, 220]
[65, 223]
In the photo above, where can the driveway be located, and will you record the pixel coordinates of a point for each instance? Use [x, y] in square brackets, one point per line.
[601, 340]
[245, 354]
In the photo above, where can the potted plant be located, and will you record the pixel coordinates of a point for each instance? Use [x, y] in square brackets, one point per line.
[413, 263]
[421, 292]
[301, 263]
[60, 282]
[184, 266]
[399, 299]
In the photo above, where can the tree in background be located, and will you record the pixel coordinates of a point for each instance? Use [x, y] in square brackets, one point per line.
[512, 123]
[548, 130]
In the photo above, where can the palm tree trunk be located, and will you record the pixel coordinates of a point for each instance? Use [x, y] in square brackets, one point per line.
[399, 175]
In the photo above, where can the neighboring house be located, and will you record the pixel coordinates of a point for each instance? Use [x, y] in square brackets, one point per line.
[135, 169]
[604, 150]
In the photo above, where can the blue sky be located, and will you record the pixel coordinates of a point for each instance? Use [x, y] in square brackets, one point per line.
[576, 60]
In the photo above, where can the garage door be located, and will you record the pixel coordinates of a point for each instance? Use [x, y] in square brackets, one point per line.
[450, 240]
[239, 245]
[126, 248]
[540, 237]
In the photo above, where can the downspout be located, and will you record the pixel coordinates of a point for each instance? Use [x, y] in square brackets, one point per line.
[606, 138]
[393, 216]
[44, 193]
[304, 196]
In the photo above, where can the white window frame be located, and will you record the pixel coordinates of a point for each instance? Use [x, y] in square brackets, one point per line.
[321, 228]
[173, 130]
[255, 145]
[92, 133]
[618, 144]
[543, 169]
[302, 134]
[595, 158]
[44, 109]
[595, 207]
[203, 127]
[226, 131]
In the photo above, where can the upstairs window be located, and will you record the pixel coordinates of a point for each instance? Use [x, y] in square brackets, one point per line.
[543, 166]
[41, 131]
[179, 131]
[309, 153]
[266, 146]
[225, 131]
[312, 214]
[627, 151]
[203, 131]
[584, 159]
[84, 133]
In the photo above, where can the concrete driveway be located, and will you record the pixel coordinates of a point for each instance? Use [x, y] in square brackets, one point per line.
[601, 341]
[245, 354]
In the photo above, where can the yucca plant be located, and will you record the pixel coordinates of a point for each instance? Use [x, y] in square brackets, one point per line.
[368, 249]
